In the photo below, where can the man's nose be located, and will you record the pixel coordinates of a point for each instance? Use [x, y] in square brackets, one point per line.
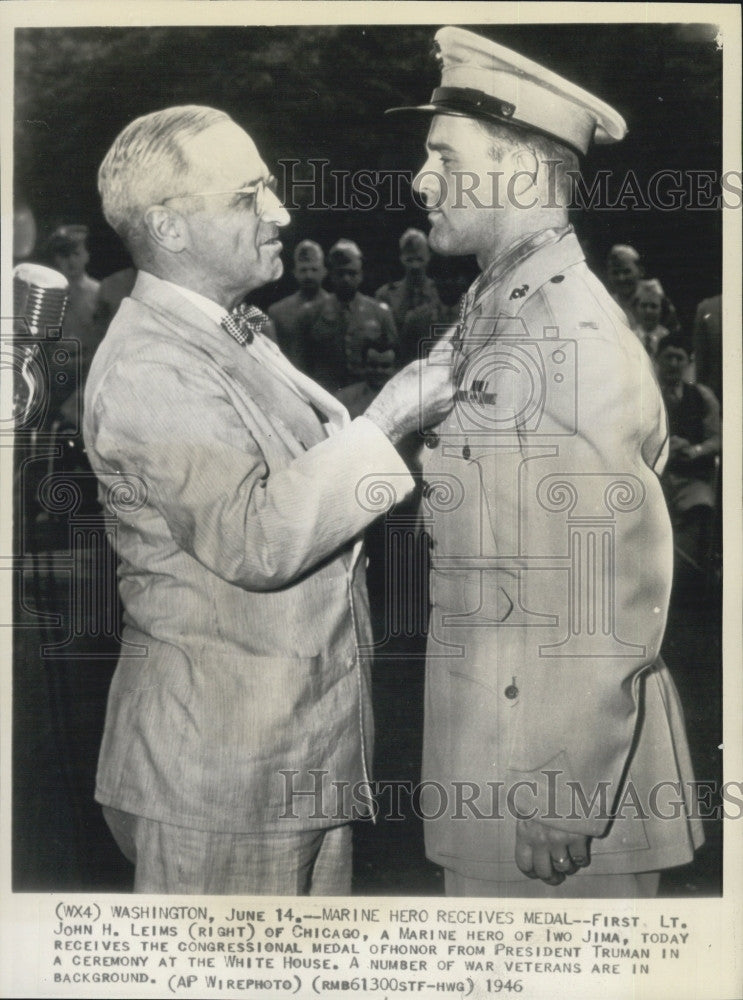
[273, 210]
[429, 186]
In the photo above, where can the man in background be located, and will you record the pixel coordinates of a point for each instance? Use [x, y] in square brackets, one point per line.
[623, 272]
[379, 366]
[690, 477]
[415, 288]
[453, 276]
[707, 344]
[331, 332]
[648, 309]
[67, 251]
[112, 291]
[309, 272]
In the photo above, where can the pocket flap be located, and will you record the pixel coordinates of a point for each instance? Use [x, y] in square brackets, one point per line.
[471, 592]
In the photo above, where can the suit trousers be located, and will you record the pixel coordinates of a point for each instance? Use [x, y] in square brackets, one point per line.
[174, 859]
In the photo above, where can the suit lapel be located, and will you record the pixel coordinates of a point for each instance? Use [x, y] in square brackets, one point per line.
[277, 408]
[267, 392]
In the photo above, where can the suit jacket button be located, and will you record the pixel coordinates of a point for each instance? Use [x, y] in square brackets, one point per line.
[466, 452]
[511, 692]
[430, 439]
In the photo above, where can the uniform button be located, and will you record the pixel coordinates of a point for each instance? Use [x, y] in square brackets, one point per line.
[466, 452]
[430, 439]
[511, 691]
[557, 279]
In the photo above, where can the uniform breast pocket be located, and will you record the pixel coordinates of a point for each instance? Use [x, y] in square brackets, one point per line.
[455, 505]
[474, 594]
[488, 516]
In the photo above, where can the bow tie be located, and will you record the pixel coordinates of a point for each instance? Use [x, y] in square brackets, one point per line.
[244, 322]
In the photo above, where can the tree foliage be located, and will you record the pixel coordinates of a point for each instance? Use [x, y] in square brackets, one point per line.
[321, 92]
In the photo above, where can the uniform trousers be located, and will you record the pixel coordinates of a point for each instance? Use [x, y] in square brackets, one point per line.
[175, 859]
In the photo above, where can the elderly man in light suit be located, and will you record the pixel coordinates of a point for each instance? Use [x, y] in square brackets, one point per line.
[555, 758]
[239, 723]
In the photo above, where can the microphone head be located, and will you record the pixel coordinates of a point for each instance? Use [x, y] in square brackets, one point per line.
[39, 298]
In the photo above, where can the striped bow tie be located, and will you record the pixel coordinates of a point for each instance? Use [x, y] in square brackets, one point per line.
[244, 322]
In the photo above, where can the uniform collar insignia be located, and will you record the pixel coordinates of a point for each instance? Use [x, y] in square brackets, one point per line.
[516, 254]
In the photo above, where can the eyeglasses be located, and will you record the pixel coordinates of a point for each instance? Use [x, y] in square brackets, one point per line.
[255, 191]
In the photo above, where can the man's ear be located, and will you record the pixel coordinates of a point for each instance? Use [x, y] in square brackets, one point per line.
[524, 169]
[166, 228]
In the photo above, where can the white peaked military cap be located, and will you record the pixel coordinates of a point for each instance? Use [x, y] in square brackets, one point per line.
[482, 79]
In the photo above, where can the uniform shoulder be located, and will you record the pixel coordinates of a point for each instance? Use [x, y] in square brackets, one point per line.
[577, 310]
[578, 301]
[383, 307]
[707, 394]
[387, 289]
[282, 305]
[368, 303]
[425, 309]
[325, 306]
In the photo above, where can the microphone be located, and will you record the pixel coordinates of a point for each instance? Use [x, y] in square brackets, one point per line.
[39, 298]
[39, 301]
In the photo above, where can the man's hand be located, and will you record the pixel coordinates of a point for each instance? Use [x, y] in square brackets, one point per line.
[548, 853]
[417, 397]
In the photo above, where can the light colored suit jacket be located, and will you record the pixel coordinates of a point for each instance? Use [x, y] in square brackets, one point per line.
[551, 574]
[241, 575]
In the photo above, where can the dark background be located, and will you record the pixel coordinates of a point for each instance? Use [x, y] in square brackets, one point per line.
[320, 92]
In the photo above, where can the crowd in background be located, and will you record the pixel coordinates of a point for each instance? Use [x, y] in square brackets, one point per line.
[351, 343]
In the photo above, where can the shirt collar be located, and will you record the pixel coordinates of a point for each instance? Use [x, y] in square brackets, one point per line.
[212, 309]
[514, 254]
[526, 266]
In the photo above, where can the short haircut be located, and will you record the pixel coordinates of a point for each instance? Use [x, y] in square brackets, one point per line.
[146, 157]
[557, 157]
[413, 239]
[308, 252]
[344, 252]
[66, 240]
[623, 251]
[676, 340]
[649, 285]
